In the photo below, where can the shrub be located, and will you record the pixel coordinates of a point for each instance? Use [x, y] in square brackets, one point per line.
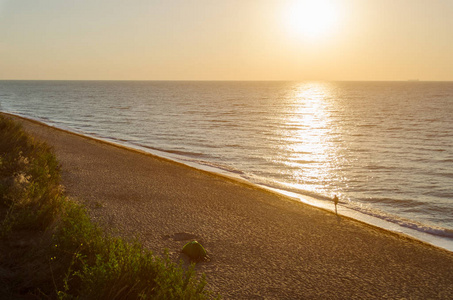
[67, 256]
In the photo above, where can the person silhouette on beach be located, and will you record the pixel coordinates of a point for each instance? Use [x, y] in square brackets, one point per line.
[335, 201]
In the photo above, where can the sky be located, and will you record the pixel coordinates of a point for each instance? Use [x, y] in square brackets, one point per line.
[332, 40]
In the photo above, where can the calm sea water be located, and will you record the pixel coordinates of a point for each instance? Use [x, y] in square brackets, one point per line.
[384, 147]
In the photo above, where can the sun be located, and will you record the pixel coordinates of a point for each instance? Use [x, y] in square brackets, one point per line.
[311, 19]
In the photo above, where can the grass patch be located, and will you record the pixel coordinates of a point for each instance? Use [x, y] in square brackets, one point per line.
[50, 249]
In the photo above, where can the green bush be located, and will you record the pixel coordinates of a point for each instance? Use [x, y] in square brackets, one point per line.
[29, 179]
[69, 257]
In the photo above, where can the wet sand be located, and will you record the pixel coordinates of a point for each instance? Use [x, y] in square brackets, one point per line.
[261, 245]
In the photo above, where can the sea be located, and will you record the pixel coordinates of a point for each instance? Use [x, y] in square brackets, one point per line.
[384, 148]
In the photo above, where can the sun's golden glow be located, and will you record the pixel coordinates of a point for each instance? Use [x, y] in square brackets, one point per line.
[312, 19]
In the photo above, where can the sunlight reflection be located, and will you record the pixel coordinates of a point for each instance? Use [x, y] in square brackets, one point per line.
[308, 139]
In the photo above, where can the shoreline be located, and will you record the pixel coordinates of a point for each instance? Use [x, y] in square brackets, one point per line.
[261, 244]
[437, 241]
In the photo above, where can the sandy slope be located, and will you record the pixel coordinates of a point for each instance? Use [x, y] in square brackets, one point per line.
[261, 245]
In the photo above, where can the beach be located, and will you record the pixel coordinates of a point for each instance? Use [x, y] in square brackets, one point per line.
[261, 245]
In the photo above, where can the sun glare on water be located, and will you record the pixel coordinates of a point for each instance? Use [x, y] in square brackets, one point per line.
[311, 19]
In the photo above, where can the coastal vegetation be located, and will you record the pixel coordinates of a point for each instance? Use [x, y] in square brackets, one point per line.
[49, 248]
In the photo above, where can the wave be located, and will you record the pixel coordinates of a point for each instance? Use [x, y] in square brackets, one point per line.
[184, 153]
[403, 222]
[121, 107]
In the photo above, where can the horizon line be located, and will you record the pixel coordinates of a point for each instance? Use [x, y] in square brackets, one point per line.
[234, 80]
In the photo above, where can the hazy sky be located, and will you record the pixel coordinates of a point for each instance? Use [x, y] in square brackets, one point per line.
[226, 39]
